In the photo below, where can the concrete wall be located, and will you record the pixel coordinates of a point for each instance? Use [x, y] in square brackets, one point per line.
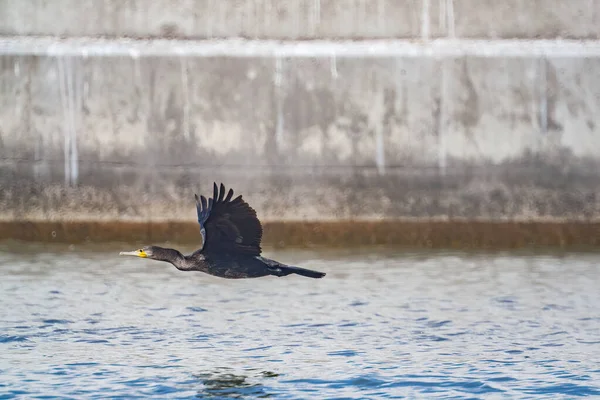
[302, 138]
[429, 132]
[303, 19]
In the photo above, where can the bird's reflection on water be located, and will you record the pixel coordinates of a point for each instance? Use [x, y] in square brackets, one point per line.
[227, 383]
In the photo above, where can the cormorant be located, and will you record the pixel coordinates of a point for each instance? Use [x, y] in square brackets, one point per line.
[231, 235]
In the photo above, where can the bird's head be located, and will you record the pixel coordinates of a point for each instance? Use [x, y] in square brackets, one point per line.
[156, 253]
[144, 252]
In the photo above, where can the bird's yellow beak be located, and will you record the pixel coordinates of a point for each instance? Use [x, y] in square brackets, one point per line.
[137, 253]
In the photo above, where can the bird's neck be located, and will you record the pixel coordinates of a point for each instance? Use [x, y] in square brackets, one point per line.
[172, 256]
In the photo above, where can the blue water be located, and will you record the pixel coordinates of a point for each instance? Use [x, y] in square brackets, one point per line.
[85, 323]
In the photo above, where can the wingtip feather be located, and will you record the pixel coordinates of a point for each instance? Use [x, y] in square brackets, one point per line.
[221, 192]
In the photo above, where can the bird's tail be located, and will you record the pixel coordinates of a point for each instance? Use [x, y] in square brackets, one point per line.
[309, 273]
[280, 270]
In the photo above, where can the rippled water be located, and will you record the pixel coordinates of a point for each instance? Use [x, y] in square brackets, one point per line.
[83, 323]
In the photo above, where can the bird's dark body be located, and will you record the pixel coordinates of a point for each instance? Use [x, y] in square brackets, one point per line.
[231, 236]
[237, 267]
[230, 266]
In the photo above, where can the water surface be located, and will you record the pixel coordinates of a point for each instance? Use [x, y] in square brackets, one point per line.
[82, 322]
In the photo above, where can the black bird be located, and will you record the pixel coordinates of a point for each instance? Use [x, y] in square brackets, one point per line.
[231, 235]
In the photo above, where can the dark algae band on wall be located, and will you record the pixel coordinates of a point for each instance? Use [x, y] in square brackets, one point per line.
[417, 234]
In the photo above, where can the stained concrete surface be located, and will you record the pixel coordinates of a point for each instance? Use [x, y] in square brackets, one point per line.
[387, 112]
[127, 138]
[303, 19]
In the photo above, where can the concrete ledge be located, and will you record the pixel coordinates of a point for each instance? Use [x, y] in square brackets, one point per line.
[415, 234]
[48, 46]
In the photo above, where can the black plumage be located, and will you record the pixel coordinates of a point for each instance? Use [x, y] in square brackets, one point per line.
[231, 236]
[233, 225]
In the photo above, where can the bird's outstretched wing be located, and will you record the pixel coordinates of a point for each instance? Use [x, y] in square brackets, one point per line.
[228, 225]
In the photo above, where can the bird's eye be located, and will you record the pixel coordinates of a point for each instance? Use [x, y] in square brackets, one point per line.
[140, 250]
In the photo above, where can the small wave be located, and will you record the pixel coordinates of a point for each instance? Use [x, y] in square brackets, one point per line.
[567, 389]
[12, 339]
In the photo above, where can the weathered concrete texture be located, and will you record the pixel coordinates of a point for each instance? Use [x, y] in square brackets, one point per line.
[526, 19]
[547, 194]
[292, 19]
[303, 19]
[446, 235]
[303, 139]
